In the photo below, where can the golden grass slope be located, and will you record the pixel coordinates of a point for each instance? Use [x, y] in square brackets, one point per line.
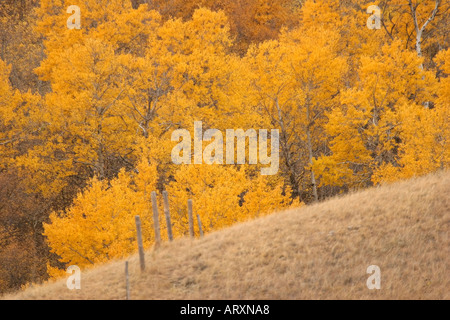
[317, 252]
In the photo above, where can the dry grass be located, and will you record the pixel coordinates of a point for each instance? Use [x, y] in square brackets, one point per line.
[318, 252]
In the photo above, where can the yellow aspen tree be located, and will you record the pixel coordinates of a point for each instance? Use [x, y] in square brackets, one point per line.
[265, 196]
[295, 82]
[272, 87]
[83, 125]
[365, 129]
[186, 75]
[85, 129]
[19, 113]
[223, 195]
[318, 74]
[420, 24]
[100, 225]
[9, 100]
[209, 69]
[215, 191]
[442, 124]
[425, 133]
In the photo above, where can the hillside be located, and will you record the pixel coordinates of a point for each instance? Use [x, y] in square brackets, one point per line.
[321, 251]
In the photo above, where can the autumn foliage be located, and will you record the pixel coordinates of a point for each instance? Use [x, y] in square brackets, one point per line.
[86, 115]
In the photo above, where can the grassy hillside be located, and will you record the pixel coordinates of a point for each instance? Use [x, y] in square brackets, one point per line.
[318, 252]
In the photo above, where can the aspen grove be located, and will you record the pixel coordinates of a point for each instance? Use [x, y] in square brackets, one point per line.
[87, 115]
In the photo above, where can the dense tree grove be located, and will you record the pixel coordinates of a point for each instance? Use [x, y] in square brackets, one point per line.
[87, 114]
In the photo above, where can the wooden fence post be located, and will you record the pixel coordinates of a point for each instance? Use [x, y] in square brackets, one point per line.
[140, 244]
[191, 219]
[156, 220]
[167, 214]
[127, 277]
[200, 226]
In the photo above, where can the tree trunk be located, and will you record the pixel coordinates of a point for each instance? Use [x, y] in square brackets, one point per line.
[420, 30]
[310, 153]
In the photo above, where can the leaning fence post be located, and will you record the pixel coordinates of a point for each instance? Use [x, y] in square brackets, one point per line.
[167, 214]
[127, 278]
[156, 220]
[191, 219]
[139, 240]
[200, 225]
